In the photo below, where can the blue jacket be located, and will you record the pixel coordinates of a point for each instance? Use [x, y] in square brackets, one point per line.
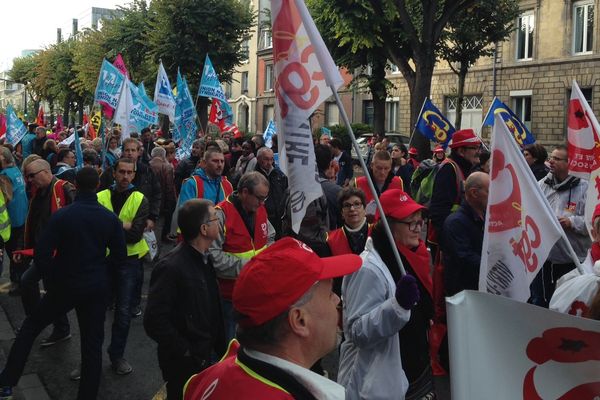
[19, 205]
[27, 144]
[212, 189]
[462, 240]
[80, 233]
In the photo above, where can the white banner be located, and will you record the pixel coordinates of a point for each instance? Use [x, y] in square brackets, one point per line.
[123, 111]
[163, 94]
[503, 349]
[303, 68]
[520, 228]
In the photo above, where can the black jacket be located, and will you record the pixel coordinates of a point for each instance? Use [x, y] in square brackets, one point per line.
[461, 245]
[145, 181]
[183, 314]
[275, 204]
[80, 233]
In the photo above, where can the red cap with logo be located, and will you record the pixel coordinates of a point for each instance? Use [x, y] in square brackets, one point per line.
[397, 204]
[279, 276]
[464, 138]
[413, 151]
[439, 149]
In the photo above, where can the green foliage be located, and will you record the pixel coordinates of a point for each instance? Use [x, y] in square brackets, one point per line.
[341, 132]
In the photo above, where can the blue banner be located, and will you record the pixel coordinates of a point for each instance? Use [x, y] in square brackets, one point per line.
[15, 129]
[78, 152]
[514, 124]
[145, 111]
[209, 84]
[326, 131]
[268, 134]
[109, 85]
[185, 119]
[433, 125]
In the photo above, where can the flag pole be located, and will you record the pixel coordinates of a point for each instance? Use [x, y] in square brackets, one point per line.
[483, 124]
[384, 221]
[416, 123]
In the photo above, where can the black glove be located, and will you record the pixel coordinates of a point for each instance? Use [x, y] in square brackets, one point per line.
[407, 292]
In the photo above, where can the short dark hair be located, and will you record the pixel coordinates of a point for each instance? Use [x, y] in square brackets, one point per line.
[538, 152]
[337, 143]
[323, 156]
[146, 129]
[267, 334]
[348, 192]
[87, 180]
[125, 160]
[90, 156]
[191, 216]
[62, 153]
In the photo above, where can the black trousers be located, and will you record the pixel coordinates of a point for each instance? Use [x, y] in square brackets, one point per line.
[90, 308]
[177, 372]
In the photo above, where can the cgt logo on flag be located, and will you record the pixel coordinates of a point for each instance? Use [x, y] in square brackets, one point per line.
[578, 348]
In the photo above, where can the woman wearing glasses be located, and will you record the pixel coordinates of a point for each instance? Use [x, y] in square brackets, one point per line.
[386, 315]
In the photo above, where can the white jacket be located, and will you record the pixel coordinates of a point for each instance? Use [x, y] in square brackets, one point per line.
[370, 364]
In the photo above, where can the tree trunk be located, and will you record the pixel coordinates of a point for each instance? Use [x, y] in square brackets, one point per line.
[66, 106]
[420, 90]
[202, 110]
[462, 76]
[80, 111]
[379, 93]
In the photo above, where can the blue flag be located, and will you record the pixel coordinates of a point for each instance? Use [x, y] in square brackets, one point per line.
[185, 119]
[209, 84]
[268, 134]
[15, 129]
[433, 125]
[109, 85]
[78, 152]
[514, 124]
[145, 111]
[326, 131]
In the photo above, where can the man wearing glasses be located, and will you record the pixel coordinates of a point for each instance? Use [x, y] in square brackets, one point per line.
[51, 194]
[566, 195]
[244, 231]
[183, 314]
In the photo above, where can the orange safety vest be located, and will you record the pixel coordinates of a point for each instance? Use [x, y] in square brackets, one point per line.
[225, 187]
[362, 184]
[230, 379]
[238, 241]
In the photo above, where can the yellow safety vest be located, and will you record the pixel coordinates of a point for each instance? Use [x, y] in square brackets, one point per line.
[127, 214]
[4, 220]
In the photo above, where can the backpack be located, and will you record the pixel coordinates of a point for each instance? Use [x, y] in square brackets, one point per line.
[422, 181]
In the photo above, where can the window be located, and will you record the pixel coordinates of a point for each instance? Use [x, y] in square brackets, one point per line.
[244, 82]
[368, 112]
[522, 107]
[583, 27]
[525, 28]
[393, 68]
[391, 115]
[268, 114]
[245, 49]
[472, 111]
[332, 114]
[587, 93]
[266, 39]
[228, 90]
[269, 77]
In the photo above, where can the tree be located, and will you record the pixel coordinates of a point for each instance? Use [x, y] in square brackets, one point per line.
[182, 32]
[350, 53]
[469, 37]
[23, 71]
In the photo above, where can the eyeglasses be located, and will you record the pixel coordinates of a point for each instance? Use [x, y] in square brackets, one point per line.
[412, 225]
[210, 221]
[261, 199]
[553, 158]
[350, 206]
[31, 175]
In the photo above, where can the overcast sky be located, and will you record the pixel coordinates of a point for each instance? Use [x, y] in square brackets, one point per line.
[31, 24]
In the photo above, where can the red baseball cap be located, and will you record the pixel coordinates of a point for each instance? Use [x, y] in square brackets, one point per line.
[397, 204]
[464, 138]
[413, 150]
[439, 149]
[280, 275]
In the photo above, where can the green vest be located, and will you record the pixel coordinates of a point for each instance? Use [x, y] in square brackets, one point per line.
[127, 214]
[4, 220]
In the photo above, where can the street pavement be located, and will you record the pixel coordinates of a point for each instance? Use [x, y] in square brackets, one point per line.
[46, 374]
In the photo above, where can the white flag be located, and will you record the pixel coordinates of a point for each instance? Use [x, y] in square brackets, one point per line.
[304, 69]
[123, 111]
[584, 147]
[503, 349]
[163, 94]
[520, 227]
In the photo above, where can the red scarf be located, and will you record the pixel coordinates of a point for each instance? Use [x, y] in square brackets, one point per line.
[419, 260]
[595, 252]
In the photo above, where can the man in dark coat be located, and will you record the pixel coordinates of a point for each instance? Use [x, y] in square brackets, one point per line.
[278, 184]
[183, 314]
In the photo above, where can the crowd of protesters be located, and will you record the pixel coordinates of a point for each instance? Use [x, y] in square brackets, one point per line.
[239, 271]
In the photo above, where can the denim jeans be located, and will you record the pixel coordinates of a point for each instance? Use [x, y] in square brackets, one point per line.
[91, 308]
[125, 280]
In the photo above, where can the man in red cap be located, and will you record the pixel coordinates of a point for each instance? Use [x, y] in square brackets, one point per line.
[413, 153]
[287, 316]
[446, 197]
[439, 154]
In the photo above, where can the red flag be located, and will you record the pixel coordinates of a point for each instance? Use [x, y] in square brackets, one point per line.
[40, 117]
[59, 124]
[2, 124]
[120, 64]
[216, 115]
[86, 119]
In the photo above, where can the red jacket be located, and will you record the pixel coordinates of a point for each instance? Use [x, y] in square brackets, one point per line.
[238, 241]
[338, 242]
